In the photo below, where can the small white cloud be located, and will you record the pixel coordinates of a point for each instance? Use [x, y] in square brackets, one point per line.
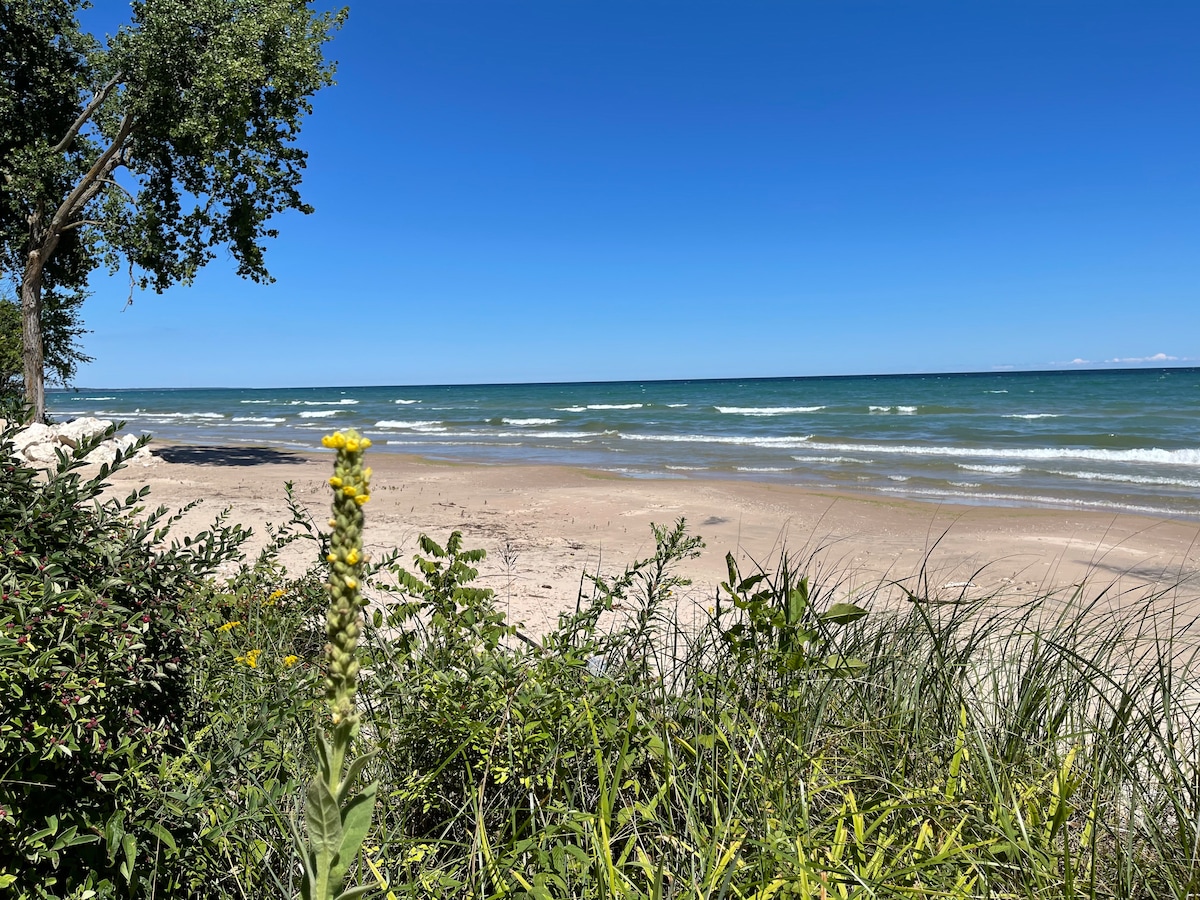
[1135, 360]
[1080, 362]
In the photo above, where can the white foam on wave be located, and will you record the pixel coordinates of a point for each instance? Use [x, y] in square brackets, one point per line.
[763, 468]
[1035, 499]
[520, 422]
[1188, 457]
[570, 408]
[428, 425]
[995, 392]
[689, 468]
[147, 414]
[993, 470]
[406, 402]
[256, 401]
[901, 410]
[615, 405]
[345, 401]
[833, 459]
[897, 478]
[1118, 478]
[1032, 416]
[319, 413]
[966, 484]
[766, 410]
[676, 405]
[257, 419]
[784, 442]
[93, 398]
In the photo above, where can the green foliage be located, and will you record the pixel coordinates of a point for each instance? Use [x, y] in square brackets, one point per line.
[783, 744]
[61, 330]
[134, 737]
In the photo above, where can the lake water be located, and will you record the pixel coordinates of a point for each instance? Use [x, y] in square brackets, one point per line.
[1118, 439]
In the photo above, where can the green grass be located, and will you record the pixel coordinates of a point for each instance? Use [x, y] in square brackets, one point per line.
[778, 743]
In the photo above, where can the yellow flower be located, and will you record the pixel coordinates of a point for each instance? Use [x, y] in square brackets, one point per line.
[274, 597]
[228, 626]
[362, 498]
[330, 557]
[250, 659]
[335, 482]
[364, 443]
[350, 490]
[352, 445]
[290, 660]
[335, 441]
[352, 557]
[351, 583]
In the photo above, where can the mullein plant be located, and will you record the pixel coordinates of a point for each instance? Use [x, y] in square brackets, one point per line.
[337, 816]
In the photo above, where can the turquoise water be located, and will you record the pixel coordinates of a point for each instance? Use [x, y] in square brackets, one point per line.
[1120, 440]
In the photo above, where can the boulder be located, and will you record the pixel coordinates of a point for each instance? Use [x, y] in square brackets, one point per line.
[37, 433]
[77, 430]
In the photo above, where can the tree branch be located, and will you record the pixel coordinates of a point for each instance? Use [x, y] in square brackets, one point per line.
[87, 187]
[79, 224]
[101, 96]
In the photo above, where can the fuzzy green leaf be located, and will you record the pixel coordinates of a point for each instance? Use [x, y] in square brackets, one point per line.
[356, 821]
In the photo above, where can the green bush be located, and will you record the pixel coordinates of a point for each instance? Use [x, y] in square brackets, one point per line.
[110, 687]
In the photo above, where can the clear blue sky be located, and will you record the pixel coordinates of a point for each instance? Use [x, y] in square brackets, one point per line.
[560, 190]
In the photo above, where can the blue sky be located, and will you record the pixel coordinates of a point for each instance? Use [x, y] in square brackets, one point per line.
[560, 190]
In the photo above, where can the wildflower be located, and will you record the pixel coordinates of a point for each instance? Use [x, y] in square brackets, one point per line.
[229, 626]
[351, 485]
[250, 659]
[290, 660]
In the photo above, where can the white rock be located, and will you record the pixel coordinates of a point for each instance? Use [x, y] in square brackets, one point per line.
[41, 454]
[73, 432]
[37, 433]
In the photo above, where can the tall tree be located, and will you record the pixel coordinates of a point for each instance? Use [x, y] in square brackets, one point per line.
[171, 139]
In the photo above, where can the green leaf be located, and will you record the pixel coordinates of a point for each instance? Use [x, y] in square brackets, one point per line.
[352, 772]
[165, 836]
[323, 822]
[843, 613]
[356, 822]
[129, 845]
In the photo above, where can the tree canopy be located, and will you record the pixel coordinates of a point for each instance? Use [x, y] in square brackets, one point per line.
[151, 149]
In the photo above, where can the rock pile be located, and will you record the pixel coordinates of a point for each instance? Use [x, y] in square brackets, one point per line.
[36, 443]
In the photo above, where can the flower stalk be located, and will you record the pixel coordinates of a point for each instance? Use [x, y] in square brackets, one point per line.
[337, 816]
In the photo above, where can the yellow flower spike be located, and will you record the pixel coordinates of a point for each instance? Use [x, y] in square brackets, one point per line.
[229, 626]
[352, 446]
[327, 441]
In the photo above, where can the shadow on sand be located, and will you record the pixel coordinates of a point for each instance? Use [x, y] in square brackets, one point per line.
[228, 456]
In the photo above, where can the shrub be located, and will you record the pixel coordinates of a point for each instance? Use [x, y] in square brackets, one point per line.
[98, 638]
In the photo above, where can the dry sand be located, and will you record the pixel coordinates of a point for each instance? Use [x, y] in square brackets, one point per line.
[543, 526]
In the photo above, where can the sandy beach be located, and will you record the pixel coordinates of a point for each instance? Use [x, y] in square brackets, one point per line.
[544, 526]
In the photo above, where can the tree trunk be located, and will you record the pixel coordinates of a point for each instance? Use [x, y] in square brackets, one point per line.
[31, 336]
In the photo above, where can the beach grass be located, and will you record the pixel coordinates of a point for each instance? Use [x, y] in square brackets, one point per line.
[793, 738]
